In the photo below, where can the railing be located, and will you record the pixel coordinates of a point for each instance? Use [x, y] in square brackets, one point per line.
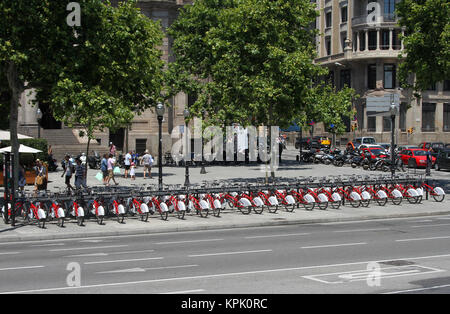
[383, 18]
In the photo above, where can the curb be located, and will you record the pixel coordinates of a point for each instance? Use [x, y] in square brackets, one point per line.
[94, 234]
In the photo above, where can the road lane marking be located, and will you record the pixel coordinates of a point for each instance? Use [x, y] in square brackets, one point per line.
[421, 239]
[434, 225]
[332, 245]
[88, 248]
[219, 275]
[124, 260]
[109, 253]
[229, 253]
[364, 274]
[363, 230]
[418, 289]
[189, 241]
[21, 267]
[51, 244]
[277, 235]
[183, 292]
[139, 269]
[10, 253]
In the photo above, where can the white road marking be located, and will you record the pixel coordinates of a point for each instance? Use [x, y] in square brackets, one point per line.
[51, 244]
[185, 291]
[109, 253]
[229, 253]
[10, 253]
[189, 241]
[422, 239]
[434, 225]
[218, 275]
[277, 235]
[418, 289]
[87, 255]
[21, 267]
[138, 269]
[332, 245]
[88, 248]
[363, 230]
[124, 260]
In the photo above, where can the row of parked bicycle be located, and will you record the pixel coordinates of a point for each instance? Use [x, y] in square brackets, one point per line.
[368, 160]
[308, 193]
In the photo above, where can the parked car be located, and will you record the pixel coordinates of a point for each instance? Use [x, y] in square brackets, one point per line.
[375, 151]
[323, 141]
[403, 147]
[357, 142]
[447, 146]
[435, 146]
[307, 143]
[415, 158]
[443, 159]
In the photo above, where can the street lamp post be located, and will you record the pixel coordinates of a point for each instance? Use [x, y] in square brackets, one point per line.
[160, 112]
[203, 170]
[39, 117]
[301, 135]
[186, 165]
[393, 112]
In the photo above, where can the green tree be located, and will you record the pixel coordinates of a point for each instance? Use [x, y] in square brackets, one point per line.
[426, 41]
[107, 66]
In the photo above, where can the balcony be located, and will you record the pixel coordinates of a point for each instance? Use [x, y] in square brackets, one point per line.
[383, 18]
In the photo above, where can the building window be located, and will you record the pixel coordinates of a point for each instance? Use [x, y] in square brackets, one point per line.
[372, 40]
[389, 76]
[328, 46]
[389, 7]
[345, 79]
[447, 117]
[446, 85]
[384, 39]
[328, 19]
[371, 124]
[343, 38]
[372, 76]
[141, 145]
[362, 41]
[403, 110]
[428, 117]
[344, 14]
[397, 41]
[387, 124]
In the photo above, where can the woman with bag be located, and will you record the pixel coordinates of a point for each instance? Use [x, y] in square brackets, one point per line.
[40, 182]
[111, 163]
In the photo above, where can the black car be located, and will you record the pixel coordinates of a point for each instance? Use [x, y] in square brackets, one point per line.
[307, 143]
[443, 159]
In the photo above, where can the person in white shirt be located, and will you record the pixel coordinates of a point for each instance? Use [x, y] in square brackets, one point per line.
[147, 161]
[127, 163]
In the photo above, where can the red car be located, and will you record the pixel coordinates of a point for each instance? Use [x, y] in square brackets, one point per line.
[415, 157]
[374, 152]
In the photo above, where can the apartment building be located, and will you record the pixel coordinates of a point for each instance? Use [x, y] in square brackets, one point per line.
[359, 42]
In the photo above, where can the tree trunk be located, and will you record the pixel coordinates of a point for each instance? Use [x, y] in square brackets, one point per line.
[17, 88]
[87, 155]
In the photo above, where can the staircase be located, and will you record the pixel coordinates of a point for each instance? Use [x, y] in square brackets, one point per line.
[64, 142]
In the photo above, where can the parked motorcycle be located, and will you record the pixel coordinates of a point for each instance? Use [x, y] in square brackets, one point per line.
[94, 162]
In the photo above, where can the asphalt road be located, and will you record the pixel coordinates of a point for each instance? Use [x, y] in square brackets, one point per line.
[409, 255]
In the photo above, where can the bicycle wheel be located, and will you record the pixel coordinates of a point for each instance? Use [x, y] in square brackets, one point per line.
[204, 212]
[335, 204]
[164, 215]
[258, 209]
[144, 217]
[245, 210]
[41, 223]
[272, 209]
[355, 203]
[120, 218]
[365, 203]
[323, 205]
[381, 201]
[397, 200]
[80, 221]
[100, 219]
[290, 208]
[216, 212]
[60, 222]
[309, 206]
[180, 214]
[437, 197]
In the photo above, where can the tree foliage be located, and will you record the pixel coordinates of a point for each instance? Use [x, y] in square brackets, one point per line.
[426, 41]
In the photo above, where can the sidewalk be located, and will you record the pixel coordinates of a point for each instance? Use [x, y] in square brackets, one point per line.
[228, 219]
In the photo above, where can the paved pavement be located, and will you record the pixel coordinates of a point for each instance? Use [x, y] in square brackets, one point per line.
[408, 255]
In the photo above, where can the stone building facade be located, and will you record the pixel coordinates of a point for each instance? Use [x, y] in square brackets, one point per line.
[362, 51]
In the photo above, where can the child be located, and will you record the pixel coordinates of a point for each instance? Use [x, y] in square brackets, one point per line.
[133, 171]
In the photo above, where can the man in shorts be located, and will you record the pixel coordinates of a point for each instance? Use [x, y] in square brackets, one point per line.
[147, 161]
[127, 162]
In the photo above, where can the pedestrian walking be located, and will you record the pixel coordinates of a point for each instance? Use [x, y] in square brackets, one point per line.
[110, 167]
[104, 168]
[133, 171]
[22, 178]
[80, 175]
[147, 161]
[68, 170]
[127, 163]
[112, 149]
